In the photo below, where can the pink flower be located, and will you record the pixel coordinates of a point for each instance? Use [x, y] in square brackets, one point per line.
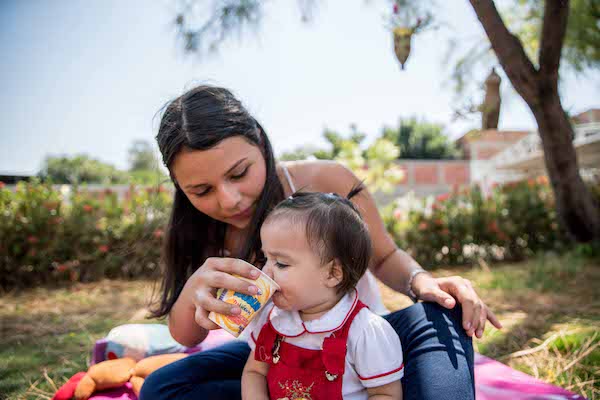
[423, 226]
[103, 248]
[62, 268]
[397, 213]
[443, 197]
[2, 184]
[32, 240]
[493, 226]
[396, 8]
[158, 233]
[87, 208]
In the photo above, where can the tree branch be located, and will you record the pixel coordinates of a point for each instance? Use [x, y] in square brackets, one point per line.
[554, 28]
[508, 49]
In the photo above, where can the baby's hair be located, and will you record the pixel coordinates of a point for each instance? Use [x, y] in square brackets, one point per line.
[334, 229]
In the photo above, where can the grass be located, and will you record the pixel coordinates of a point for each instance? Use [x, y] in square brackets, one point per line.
[550, 308]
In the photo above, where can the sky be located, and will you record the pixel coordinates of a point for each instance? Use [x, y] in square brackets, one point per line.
[89, 77]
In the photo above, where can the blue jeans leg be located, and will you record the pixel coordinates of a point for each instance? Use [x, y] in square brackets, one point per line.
[438, 354]
[208, 375]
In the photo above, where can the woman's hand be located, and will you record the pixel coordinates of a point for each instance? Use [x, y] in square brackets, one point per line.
[446, 291]
[201, 288]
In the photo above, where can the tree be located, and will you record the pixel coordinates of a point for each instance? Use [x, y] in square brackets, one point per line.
[335, 139]
[142, 157]
[534, 79]
[80, 169]
[143, 164]
[306, 152]
[421, 140]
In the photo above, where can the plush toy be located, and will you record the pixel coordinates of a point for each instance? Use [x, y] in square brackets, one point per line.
[114, 373]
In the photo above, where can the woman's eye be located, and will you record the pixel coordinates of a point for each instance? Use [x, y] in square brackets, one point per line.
[241, 175]
[201, 193]
[280, 265]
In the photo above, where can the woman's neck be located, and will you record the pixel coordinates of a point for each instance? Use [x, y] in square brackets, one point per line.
[235, 238]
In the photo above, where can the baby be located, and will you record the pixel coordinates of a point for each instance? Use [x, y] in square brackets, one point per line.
[317, 340]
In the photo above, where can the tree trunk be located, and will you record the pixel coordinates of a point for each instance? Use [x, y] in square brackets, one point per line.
[574, 203]
[539, 88]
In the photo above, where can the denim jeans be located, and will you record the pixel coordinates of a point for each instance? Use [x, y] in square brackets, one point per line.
[438, 362]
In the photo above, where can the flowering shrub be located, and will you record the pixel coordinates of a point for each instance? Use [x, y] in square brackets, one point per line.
[511, 223]
[48, 237]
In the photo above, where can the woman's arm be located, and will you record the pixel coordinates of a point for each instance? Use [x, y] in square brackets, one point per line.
[389, 264]
[393, 266]
[254, 379]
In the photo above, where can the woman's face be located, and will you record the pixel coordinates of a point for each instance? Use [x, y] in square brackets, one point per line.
[223, 182]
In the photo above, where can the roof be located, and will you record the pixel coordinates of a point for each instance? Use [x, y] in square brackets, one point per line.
[492, 135]
[586, 117]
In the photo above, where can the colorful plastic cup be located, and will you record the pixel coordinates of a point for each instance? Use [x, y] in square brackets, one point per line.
[250, 305]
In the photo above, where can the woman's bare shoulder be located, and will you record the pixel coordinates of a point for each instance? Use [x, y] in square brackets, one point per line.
[320, 175]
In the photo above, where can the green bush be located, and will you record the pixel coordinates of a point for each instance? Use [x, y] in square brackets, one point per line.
[47, 238]
[513, 222]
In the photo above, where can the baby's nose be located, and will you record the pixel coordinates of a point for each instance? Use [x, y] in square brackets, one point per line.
[268, 270]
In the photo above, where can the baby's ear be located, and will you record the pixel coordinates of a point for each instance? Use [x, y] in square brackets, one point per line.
[336, 273]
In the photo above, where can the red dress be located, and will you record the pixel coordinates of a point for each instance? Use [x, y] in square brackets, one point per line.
[296, 373]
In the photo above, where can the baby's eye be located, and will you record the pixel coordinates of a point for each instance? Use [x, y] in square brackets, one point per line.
[280, 265]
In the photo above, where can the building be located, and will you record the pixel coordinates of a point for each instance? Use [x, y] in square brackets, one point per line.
[494, 156]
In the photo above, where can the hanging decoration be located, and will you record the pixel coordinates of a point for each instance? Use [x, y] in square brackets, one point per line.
[405, 22]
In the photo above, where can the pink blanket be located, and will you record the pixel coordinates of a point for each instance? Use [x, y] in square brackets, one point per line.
[493, 381]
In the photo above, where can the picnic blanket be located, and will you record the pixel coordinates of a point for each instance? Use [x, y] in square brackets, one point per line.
[493, 380]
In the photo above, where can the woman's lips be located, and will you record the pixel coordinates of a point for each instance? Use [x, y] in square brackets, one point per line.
[244, 214]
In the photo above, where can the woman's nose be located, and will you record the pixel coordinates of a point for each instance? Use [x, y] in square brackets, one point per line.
[229, 197]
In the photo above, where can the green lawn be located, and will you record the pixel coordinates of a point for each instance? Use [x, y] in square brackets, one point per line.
[550, 307]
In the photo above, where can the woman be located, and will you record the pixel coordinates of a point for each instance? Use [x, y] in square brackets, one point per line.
[226, 180]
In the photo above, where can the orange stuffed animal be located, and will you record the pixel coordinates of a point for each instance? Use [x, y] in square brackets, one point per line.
[114, 373]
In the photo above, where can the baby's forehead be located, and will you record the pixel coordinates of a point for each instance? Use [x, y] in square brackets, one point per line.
[288, 216]
[284, 223]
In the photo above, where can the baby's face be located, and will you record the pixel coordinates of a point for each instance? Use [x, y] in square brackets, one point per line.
[293, 264]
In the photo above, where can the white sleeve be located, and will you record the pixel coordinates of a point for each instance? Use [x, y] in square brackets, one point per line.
[250, 334]
[377, 351]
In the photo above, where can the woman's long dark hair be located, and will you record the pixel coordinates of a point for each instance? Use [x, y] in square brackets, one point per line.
[199, 120]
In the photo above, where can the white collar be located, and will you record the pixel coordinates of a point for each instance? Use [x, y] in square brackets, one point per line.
[289, 323]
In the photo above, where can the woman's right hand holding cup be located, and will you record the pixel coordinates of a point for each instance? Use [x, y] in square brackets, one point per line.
[216, 273]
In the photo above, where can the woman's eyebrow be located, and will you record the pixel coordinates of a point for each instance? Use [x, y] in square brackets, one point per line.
[197, 185]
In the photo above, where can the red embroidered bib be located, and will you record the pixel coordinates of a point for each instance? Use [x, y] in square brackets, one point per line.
[298, 373]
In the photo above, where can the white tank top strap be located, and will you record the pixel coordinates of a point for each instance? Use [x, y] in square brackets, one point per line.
[289, 178]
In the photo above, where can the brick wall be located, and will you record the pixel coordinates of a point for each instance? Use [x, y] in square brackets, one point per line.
[429, 177]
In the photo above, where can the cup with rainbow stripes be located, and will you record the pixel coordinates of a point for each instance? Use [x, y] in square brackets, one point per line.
[250, 305]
